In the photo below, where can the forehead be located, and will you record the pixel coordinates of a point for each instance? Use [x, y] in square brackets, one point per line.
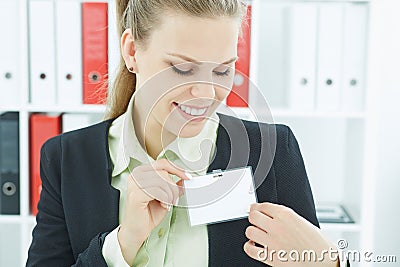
[206, 39]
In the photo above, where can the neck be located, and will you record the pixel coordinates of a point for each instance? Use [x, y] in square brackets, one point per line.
[148, 132]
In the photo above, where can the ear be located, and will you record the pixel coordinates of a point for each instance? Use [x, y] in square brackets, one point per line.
[128, 50]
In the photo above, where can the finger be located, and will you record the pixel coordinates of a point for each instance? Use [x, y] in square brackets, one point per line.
[260, 220]
[164, 164]
[151, 193]
[180, 186]
[174, 188]
[257, 253]
[257, 235]
[152, 180]
[164, 169]
[268, 208]
[164, 196]
[159, 179]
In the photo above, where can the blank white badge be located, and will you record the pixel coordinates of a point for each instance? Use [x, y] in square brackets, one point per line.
[220, 196]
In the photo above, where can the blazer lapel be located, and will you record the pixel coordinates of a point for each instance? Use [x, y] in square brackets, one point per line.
[226, 156]
[233, 148]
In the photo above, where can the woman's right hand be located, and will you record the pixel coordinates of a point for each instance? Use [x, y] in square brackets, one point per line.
[150, 193]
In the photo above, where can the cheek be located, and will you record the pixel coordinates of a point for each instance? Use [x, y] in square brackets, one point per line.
[164, 105]
[221, 93]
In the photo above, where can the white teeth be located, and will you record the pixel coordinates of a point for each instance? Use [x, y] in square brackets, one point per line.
[192, 111]
[182, 107]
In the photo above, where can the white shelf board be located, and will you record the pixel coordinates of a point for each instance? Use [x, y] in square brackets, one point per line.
[17, 219]
[317, 114]
[341, 227]
[9, 108]
[68, 109]
[246, 113]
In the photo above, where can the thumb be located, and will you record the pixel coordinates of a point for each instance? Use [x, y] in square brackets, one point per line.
[181, 187]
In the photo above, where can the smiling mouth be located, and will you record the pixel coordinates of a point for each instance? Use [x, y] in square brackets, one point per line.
[191, 110]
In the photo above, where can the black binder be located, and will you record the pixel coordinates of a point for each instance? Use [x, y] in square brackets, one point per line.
[9, 163]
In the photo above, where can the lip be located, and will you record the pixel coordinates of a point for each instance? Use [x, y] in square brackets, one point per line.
[192, 118]
[191, 106]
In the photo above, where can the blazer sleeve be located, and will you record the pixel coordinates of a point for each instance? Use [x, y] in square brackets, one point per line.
[293, 187]
[50, 240]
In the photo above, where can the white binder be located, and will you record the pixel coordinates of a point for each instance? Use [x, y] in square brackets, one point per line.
[74, 121]
[9, 54]
[354, 54]
[69, 52]
[302, 55]
[42, 52]
[329, 58]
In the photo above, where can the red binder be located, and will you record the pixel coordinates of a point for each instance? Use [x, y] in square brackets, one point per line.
[41, 128]
[94, 52]
[239, 95]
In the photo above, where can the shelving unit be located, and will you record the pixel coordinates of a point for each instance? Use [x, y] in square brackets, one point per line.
[335, 144]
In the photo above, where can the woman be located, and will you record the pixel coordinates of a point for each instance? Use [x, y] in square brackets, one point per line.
[103, 202]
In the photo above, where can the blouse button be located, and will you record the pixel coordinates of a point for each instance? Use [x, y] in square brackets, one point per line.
[161, 232]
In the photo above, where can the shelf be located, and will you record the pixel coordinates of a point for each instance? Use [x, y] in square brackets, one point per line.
[56, 109]
[241, 112]
[17, 219]
[341, 227]
[9, 108]
[68, 109]
[318, 114]
[287, 113]
[335, 145]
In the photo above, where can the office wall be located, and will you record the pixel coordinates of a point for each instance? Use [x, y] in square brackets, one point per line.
[385, 74]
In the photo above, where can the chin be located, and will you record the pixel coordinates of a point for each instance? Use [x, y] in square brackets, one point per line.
[188, 130]
[189, 133]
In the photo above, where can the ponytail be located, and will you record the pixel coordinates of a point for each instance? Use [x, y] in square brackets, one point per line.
[125, 82]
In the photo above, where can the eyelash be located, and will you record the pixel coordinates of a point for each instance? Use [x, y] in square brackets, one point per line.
[190, 72]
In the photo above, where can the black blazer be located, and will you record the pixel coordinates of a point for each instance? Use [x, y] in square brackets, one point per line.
[78, 206]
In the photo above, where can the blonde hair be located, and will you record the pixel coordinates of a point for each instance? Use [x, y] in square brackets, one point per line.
[144, 15]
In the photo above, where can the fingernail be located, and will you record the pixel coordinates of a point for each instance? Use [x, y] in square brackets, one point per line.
[188, 175]
[166, 206]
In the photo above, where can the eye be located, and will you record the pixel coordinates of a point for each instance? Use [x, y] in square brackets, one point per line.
[181, 72]
[222, 73]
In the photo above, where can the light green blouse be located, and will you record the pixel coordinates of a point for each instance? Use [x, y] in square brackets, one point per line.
[173, 242]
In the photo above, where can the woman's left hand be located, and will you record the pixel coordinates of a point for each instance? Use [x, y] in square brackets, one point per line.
[278, 228]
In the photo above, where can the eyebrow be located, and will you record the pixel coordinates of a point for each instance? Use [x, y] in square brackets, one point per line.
[197, 62]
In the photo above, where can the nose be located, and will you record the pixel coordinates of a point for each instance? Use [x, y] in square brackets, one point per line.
[203, 90]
